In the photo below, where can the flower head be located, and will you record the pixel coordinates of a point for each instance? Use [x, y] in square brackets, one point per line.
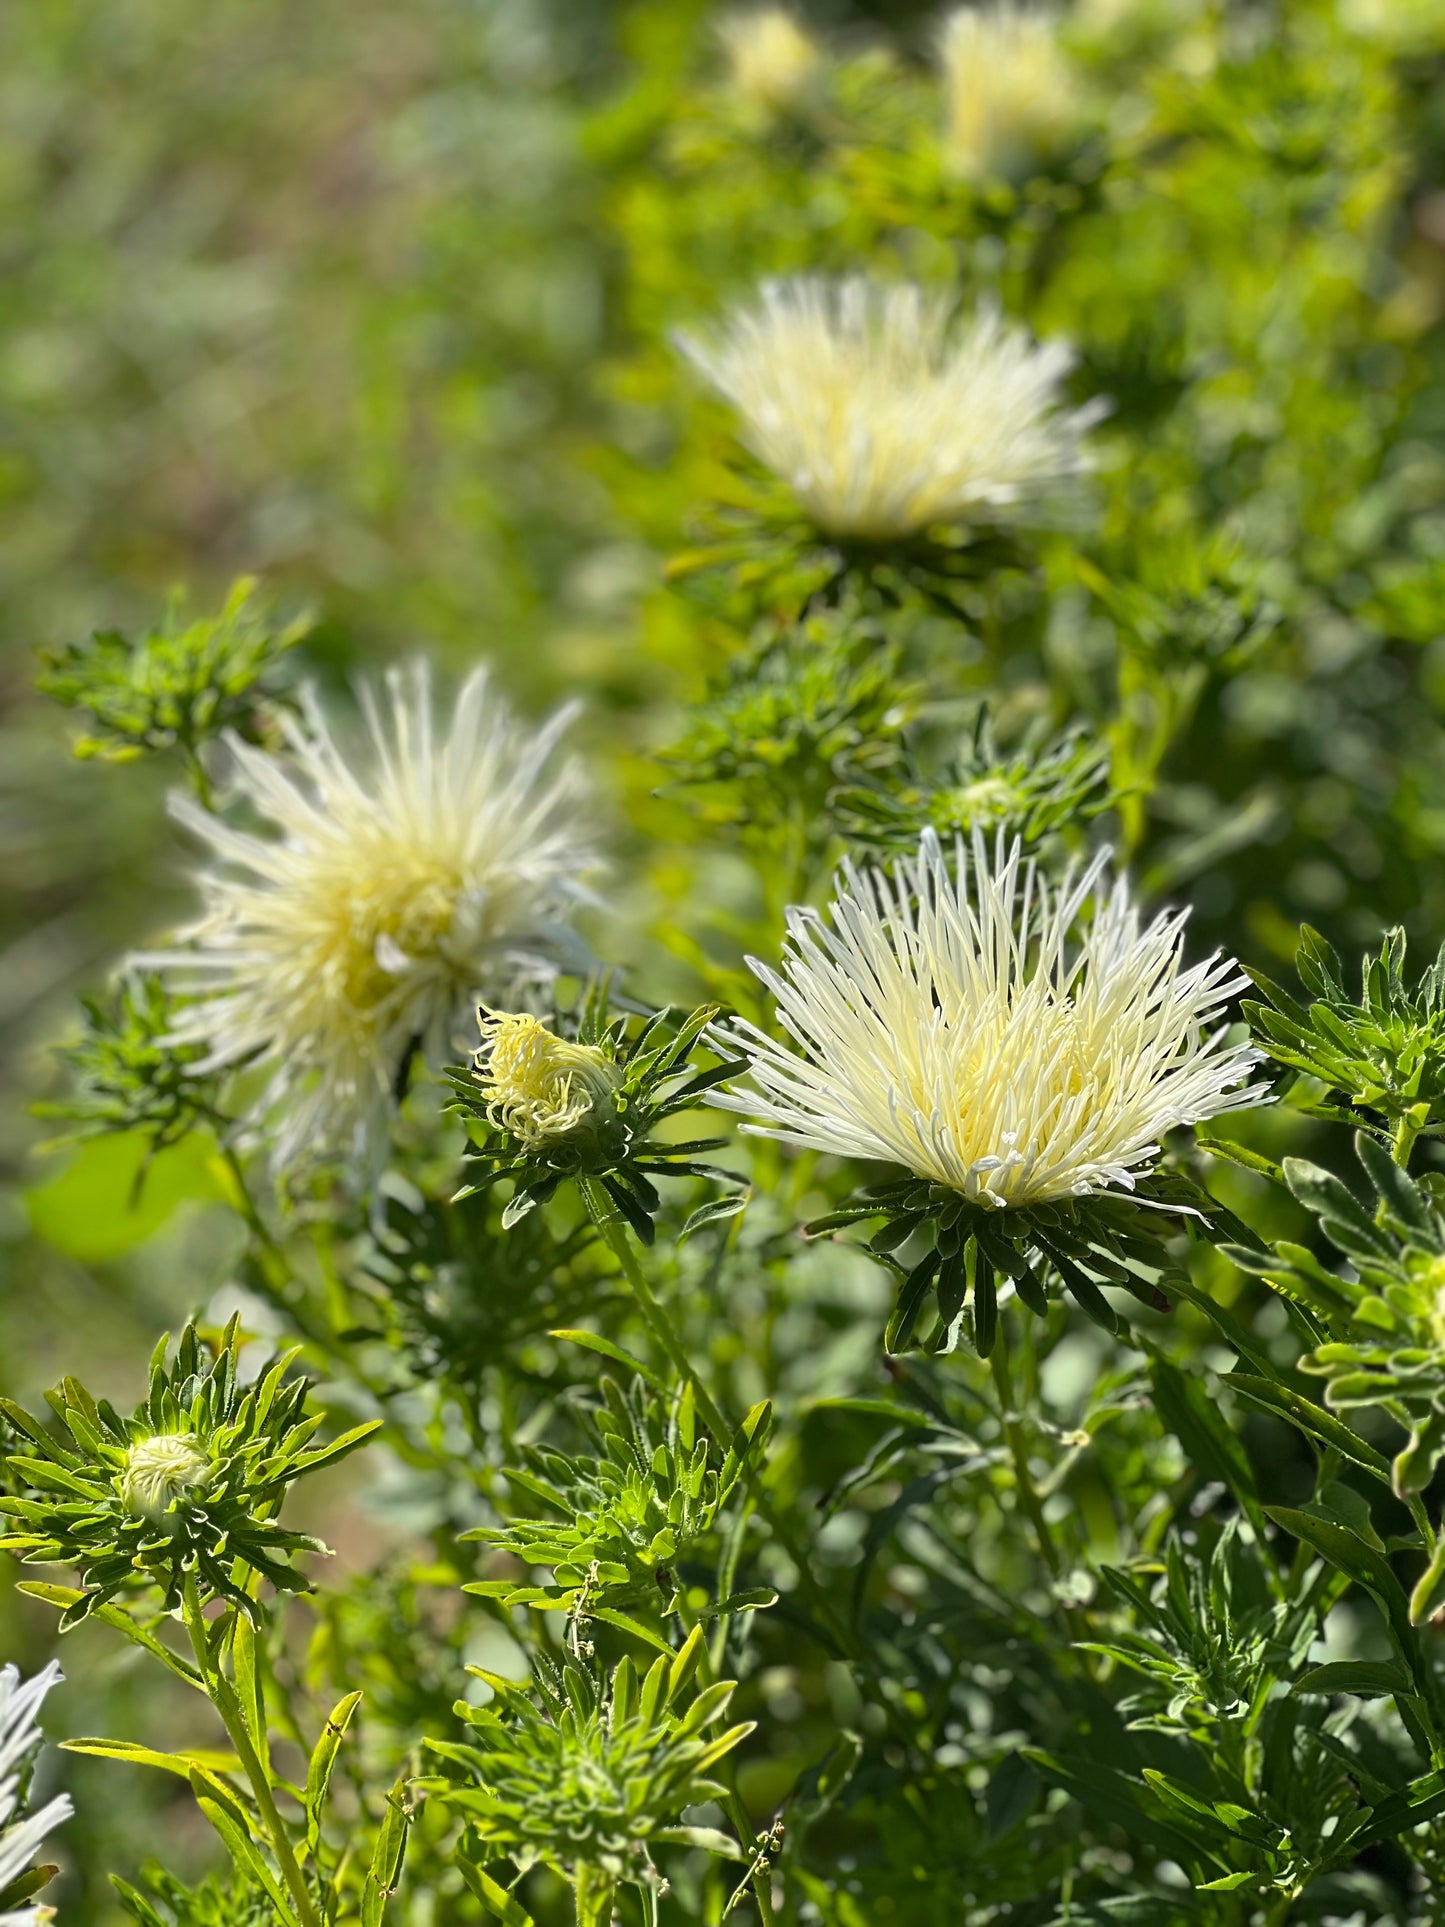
[771, 60]
[20, 1702]
[400, 884]
[543, 1108]
[185, 1492]
[882, 416]
[1010, 93]
[538, 1086]
[957, 1029]
[160, 1470]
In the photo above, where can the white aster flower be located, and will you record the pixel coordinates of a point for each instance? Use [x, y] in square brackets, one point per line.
[960, 1029]
[20, 1702]
[397, 888]
[771, 60]
[1010, 95]
[882, 415]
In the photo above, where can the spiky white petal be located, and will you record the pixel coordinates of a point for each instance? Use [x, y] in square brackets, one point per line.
[882, 415]
[397, 888]
[20, 1702]
[771, 59]
[1010, 94]
[961, 1028]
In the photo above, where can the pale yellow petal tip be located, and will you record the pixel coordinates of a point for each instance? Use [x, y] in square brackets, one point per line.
[1011, 95]
[538, 1087]
[771, 59]
[1018, 1043]
[162, 1469]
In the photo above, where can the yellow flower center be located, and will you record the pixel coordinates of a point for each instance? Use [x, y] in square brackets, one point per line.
[159, 1470]
[390, 904]
[537, 1086]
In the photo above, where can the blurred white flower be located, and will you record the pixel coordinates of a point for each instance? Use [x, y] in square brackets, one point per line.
[1010, 94]
[399, 887]
[20, 1702]
[771, 60]
[960, 1029]
[882, 415]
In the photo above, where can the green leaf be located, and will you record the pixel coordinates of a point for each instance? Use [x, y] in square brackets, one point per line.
[714, 1212]
[594, 1342]
[1239, 1154]
[323, 1759]
[494, 1898]
[1366, 1679]
[1429, 1590]
[1209, 1444]
[1311, 1419]
[1116, 1797]
[180, 1763]
[1422, 1800]
[384, 1873]
[232, 1823]
[1349, 1554]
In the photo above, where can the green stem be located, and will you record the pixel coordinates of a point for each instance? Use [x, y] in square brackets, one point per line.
[223, 1698]
[1028, 1493]
[596, 1893]
[839, 1633]
[1406, 1132]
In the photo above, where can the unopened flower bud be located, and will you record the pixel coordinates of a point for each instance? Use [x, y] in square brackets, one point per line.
[160, 1470]
[538, 1086]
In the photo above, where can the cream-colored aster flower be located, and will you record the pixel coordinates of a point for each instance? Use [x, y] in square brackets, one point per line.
[962, 1029]
[20, 1703]
[536, 1085]
[771, 60]
[396, 888]
[1010, 94]
[885, 417]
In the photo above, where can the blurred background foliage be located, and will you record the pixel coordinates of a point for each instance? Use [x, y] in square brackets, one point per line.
[376, 303]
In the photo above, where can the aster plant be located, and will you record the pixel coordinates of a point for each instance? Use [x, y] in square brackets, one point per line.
[544, 1108]
[175, 1507]
[182, 684]
[956, 1025]
[1028, 1619]
[179, 1494]
[591, 1777]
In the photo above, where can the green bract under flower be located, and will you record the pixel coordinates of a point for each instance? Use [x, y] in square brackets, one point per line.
[189, 1486]
[591, 1779]
[619, 1515]
[543, 1107]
